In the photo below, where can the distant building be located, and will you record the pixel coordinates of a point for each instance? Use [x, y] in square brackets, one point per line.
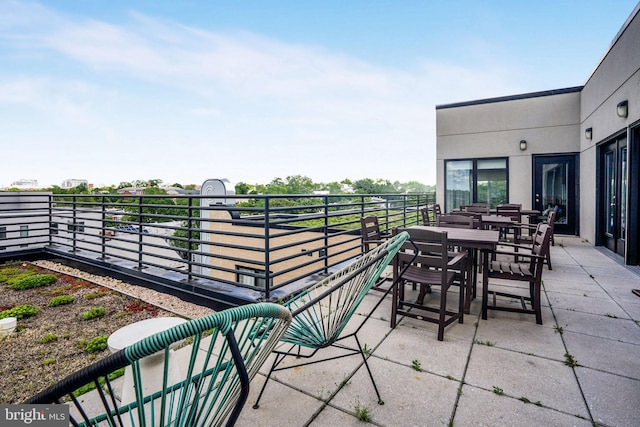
[25, 184]
[71, 183]
[131, 190]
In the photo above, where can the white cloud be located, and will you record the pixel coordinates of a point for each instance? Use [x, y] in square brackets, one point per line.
[159, 87]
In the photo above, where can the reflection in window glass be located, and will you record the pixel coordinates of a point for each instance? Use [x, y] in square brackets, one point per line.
[475, 181]
[609, 192]
[555, 177]
[492, 182]
[459, 184]
[623, 192]
[250, 279]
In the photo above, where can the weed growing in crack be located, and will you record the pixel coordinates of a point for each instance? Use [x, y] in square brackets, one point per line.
[570, 361]
[487, 343]
[366, 350]
[362, 412]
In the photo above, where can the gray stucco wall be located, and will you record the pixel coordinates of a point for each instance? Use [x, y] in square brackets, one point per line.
[550, 123]
[616, 78]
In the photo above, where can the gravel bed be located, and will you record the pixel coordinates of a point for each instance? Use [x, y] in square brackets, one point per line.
[50, 345]
[167, 302]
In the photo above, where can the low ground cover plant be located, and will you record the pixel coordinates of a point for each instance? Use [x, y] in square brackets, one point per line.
[93, 313]
[98, 343]
[42, 350]
[34, 281]
[61, 300]
[19, 311]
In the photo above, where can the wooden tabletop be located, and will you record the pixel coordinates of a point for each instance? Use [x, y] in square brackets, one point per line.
[497, 220]
[468, 237]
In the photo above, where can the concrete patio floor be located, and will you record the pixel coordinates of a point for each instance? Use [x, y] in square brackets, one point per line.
[506, 370]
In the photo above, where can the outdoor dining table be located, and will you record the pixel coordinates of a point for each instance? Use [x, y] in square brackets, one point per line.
[496, 221]
[476, 240]
[531, 213]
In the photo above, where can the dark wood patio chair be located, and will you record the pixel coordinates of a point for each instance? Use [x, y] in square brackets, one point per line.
[455, 221]
[529, 273]
[321, 313]
[513, 212]
[372, 237]
[226, 350]
[424, 213]
[547, 220]
[430, 213]
[526, 236]
[476, 217]
[426, 260]
[371, 234]
[481, 208]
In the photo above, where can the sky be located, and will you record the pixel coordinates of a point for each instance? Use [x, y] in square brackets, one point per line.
[185, 91]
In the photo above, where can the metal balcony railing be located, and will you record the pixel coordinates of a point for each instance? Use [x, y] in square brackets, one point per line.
[246, 248]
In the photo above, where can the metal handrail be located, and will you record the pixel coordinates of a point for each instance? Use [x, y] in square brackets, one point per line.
[265, 245]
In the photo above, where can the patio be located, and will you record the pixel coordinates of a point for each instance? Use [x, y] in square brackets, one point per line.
[503, 371]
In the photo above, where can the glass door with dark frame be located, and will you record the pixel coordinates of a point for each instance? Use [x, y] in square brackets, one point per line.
[613, 195]
[554, 180]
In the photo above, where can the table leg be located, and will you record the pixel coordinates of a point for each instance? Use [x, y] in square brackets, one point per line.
[472, 277]
[485, 283]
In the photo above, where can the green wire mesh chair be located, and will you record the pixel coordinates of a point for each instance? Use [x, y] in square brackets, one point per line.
[220, 355]
[321, 313]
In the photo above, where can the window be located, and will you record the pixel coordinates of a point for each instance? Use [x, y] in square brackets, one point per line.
[459, 186]
[476, 181]
[54, 228]
[24, 231]
[254, 278]
[3, 233]
[76, 226]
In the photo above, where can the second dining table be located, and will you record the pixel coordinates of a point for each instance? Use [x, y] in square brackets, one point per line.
[483, 241]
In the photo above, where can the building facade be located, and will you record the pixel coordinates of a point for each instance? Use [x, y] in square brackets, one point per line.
[578, 148]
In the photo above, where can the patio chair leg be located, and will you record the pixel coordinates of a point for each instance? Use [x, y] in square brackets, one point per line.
[277, 360]
[364, 358]
[549, 260]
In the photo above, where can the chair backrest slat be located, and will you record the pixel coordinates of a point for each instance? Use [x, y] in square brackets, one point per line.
[371, 235]
[321, 312]
[455, 221]
[431, 246]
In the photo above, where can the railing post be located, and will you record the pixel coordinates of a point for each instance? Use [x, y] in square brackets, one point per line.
[74, 224]
[326, 234]
[267, 269]
[386, 213]
[50, 197]
[140, 245]
[189, 238]
[104, 230]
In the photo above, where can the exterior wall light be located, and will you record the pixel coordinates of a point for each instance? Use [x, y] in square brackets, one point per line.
[523, 145]
[623, 108]
[588, 133]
